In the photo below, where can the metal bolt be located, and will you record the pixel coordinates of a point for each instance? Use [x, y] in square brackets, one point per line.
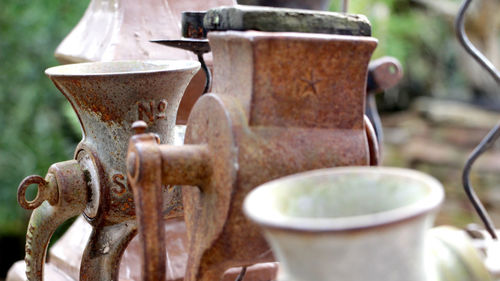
[139, 127]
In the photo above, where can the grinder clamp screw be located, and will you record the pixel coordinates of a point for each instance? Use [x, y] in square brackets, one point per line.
[47, 190]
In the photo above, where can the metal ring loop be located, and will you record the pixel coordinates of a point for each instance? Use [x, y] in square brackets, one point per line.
[21, 192]
[492, 136]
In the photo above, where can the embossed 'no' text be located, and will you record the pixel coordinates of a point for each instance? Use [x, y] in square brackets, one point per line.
[152, 110]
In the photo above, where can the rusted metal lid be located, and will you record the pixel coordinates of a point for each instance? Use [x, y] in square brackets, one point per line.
[285, 20]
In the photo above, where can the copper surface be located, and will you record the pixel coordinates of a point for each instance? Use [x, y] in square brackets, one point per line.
[121, 30]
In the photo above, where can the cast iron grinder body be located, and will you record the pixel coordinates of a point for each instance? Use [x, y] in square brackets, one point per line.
[282, 103]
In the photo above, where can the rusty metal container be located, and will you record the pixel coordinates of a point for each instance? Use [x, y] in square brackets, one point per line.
[107, 98]
[282, 103]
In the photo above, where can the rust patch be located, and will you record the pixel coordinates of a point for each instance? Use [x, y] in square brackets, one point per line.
[285, 103]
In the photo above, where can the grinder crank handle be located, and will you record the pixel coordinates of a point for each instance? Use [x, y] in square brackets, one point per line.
[61, 196]
[383, 74]
[142, 173]
[147, 169]
[373, 144]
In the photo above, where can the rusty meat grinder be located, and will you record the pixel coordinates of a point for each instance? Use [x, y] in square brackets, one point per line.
[107, 98]
[282, 102]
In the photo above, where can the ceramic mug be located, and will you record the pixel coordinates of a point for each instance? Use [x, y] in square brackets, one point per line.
[349, 224]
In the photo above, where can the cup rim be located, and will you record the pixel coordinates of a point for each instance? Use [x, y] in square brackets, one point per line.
[74, 69]
[423, 206]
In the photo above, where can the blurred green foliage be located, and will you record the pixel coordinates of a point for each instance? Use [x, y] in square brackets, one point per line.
[424, 42]
[33, 131]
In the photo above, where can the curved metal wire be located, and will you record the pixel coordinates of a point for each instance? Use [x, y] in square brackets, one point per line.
[485, 144]
[208, 74]
[492, 136]
[242, 274]
[469, 47]
[345, 6]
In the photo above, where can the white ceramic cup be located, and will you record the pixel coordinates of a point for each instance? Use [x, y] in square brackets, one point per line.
[348, 224]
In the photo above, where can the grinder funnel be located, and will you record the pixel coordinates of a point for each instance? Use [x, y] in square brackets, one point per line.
[107, 98]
